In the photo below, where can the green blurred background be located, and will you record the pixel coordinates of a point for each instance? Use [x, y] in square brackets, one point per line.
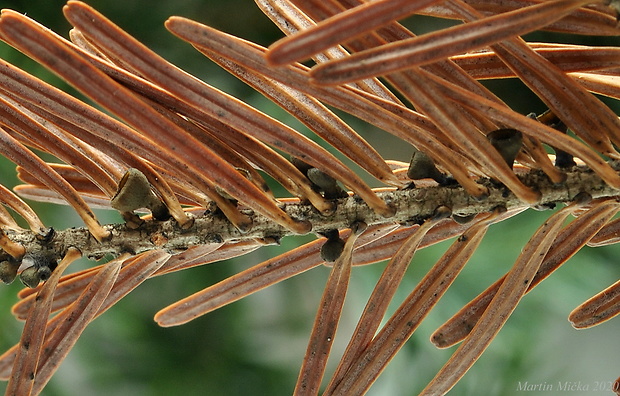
[255, 346]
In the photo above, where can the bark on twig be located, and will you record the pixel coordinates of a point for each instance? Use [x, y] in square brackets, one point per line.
[412, 205]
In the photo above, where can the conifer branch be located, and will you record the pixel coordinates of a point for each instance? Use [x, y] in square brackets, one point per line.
[202, 162]
[412, 205]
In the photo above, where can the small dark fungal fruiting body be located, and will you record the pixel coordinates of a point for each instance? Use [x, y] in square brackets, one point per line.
[333, 247]
[507, 142]
[135, 192]
[38, 267]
